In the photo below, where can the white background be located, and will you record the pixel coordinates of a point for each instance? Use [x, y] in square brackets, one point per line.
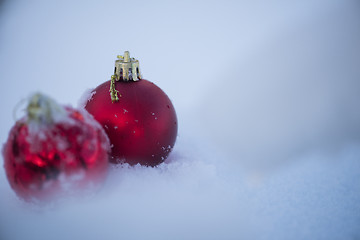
[267, 95]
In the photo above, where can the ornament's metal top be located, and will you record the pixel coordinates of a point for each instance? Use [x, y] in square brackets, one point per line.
[42, 109]
[126, 68]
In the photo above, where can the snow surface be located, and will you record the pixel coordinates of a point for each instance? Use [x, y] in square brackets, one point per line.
[267, 95]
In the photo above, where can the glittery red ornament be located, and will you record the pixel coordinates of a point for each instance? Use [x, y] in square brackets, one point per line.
[54, 150]
[137, 116]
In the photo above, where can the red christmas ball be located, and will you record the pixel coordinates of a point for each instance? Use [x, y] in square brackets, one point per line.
[141, 124]
[54, 150]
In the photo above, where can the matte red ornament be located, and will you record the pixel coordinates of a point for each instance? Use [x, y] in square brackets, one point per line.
[54, 150]
[137, 116]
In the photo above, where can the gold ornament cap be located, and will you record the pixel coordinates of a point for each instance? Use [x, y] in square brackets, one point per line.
[126, 68]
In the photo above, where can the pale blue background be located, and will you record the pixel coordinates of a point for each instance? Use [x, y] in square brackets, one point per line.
[267, 95]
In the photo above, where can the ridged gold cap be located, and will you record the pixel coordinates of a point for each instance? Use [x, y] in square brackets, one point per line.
[126, 68]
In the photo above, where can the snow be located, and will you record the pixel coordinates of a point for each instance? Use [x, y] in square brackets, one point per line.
[192, 199]
[266, 95]
[87, 95]
[46, 111]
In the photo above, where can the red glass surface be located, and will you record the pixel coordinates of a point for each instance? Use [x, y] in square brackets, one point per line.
[141, 126]
[58, 157]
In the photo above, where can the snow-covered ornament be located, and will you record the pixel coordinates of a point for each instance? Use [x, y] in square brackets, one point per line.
[54, 151]
[138, 116]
